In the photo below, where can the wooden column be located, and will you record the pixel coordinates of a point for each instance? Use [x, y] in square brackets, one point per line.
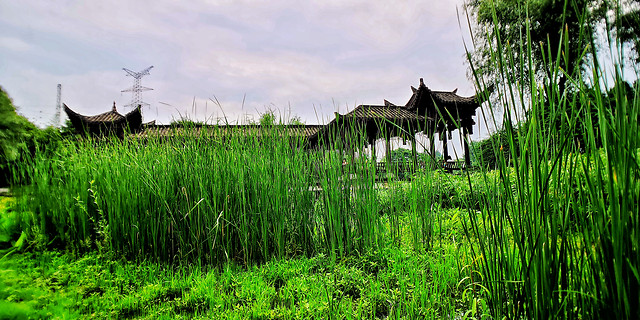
[467, 154]
[414, 152]
[373, 151]
[388, 151]
[432, 150]
[443, 137]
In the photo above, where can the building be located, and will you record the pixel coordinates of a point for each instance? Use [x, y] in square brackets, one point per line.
[434, 113]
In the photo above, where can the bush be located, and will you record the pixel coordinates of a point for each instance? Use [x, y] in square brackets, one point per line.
[19, 138]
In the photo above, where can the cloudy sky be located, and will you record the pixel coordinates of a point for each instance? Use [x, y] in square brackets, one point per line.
[304, 58]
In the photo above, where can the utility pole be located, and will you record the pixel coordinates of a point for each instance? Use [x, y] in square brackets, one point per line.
[56, 118]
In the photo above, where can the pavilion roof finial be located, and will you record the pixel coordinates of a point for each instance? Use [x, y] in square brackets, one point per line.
[421, 82]
[114, 107]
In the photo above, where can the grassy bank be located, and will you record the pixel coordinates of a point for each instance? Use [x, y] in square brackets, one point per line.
[392, 283]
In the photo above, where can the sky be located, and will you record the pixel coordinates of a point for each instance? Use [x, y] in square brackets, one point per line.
[300, 58]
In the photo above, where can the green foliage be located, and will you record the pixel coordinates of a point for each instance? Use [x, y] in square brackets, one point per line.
[268, 118]
[509, 29]
[556, 238]
[186, 122]
[296, 121]
[623, 18]
[402, 155]
[389, 284]
[628, 29]
[10, 223]
[258, 228]
[244, 198]
[16, 136]
[19, 138]
[498, 146]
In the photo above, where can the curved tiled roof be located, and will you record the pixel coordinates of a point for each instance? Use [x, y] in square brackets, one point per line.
[109, 116]
[423, 96]
[163, 131]
[386, 112]
[110, 121]
[105, 117]
[452, 98]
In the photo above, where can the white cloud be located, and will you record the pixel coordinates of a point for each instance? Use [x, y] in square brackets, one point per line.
[14, 44]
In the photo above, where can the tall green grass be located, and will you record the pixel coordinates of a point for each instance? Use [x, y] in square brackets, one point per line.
[208, 196]
[561, 237]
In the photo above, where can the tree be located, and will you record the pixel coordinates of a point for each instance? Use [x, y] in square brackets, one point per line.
[488, 152]
[269, 118]
[622, 18]
[16, 133]
[546, 41]
[628, 26]
[519, 38]
[20, 138]
[296, 121]
[555, 33]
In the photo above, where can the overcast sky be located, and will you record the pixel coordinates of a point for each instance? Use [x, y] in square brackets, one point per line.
[304, 58]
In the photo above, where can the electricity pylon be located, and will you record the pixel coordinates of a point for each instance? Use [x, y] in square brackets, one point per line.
[137, 88]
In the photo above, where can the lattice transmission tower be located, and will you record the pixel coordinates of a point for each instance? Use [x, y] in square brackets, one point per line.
[137, 88]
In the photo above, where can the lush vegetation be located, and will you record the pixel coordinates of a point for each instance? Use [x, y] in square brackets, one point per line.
[19, 138]
[563, 226]
[250, 225]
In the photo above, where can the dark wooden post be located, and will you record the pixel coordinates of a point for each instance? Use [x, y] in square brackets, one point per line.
[467, 154]
[414, 152]
[443, 137]
[373, 150]
[388, 151]
[432, 150]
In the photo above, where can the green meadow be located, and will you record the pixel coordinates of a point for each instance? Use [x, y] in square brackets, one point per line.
[253, 226]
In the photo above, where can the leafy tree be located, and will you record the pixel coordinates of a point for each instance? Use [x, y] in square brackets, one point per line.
[553, 26]
[487, 153]
[296, 120]
[561, 33]
[546, 41]
[16, 133]
[268, 118]
[623, 17]
[402, 155]
[19, 138]
[186, 122]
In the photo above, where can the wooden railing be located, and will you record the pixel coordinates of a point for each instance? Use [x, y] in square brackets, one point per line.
[450, 166]
[405, 170]
[402, 170]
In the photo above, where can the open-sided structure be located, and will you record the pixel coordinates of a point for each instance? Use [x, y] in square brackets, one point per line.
[434, 113]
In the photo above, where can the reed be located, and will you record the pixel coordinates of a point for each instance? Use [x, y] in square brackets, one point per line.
[560, 239]
[208, 196]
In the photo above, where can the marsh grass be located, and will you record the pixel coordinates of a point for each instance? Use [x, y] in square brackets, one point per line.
[209, 196]
[560, 239]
